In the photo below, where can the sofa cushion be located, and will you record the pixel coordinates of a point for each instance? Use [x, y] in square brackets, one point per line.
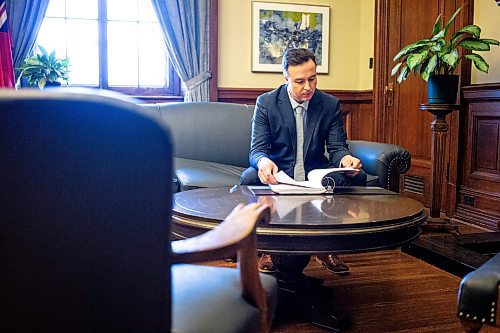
[193, 174]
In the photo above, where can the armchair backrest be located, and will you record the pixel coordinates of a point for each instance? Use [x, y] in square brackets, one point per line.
[85, 192]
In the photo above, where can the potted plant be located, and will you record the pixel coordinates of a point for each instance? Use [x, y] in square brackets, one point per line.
[44, 69]
[437, 57]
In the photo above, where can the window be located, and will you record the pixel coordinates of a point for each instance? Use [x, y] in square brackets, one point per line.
[112, 44]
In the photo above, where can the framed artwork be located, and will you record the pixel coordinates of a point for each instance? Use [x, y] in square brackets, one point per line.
[277, 27]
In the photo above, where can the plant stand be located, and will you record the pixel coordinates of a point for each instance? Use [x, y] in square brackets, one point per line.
[439, 127]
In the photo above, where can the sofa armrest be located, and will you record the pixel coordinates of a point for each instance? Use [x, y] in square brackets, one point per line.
[387, 161]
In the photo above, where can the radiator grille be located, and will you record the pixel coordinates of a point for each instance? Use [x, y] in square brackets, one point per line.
[414, 184]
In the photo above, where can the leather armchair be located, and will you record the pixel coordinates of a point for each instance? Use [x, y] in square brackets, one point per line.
[382, 162]
[478, 297]
[85, 241]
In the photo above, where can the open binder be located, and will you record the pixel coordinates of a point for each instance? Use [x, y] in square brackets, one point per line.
[320, 181]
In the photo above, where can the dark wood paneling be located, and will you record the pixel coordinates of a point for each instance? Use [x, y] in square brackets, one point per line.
[240, 95]
[479, 196]
[398, 118]
[357, 107]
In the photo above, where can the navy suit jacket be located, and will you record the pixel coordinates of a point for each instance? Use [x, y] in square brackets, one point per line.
[274, 134]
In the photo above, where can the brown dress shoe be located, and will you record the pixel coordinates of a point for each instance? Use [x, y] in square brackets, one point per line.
[266, 264]
[333, 264]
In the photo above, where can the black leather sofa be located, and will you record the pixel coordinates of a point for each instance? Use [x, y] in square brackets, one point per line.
[212, 143]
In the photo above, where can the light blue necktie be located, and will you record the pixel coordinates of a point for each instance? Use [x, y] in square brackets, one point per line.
[299, 173]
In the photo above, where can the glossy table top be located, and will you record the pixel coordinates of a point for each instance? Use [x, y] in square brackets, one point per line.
[307, 224]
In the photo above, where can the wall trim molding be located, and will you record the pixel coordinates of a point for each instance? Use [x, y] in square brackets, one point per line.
[249, 95]
[487, 91]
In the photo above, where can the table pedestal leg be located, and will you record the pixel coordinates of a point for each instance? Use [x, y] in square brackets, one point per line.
[306, 297]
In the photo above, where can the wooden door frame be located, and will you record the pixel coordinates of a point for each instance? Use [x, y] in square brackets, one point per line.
[380, 79]
[213, 48]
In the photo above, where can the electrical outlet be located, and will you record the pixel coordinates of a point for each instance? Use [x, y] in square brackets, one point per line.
[469, 200]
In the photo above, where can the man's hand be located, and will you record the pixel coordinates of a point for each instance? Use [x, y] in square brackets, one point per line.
[349, 161]
[267, 170]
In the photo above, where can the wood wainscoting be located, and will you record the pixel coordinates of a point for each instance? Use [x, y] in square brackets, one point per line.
[357, 107]
[479, 194]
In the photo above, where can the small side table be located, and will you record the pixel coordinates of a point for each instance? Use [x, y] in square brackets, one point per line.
[439, 127]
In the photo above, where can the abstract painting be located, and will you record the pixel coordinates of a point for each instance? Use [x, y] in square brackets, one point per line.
[277, 27]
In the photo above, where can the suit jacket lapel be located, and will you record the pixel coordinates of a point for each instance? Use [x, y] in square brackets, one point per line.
[312, 116]
[285, 108]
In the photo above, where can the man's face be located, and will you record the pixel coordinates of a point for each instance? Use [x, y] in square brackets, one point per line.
[302, 81]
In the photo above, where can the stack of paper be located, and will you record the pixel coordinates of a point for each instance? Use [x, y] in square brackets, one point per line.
[312, 186]
[289, 186]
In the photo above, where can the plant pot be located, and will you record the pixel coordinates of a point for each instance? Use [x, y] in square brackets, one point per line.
[442, 89]
[52, 84]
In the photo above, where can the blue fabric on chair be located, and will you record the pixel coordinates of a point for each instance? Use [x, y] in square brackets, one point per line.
[84, 219]
[196, 288]
[85, 213]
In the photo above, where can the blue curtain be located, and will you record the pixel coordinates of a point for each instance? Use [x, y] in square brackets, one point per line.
[185, 27]
[25, 18]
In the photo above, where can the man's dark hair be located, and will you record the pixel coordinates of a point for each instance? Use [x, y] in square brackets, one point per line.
[294, 57]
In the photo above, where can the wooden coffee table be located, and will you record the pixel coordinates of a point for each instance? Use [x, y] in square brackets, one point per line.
[305, 225]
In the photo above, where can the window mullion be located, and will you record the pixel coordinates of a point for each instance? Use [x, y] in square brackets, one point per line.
[103, 45]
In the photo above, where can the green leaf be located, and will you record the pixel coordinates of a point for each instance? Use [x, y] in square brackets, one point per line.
[474, 44]
[429, 69]
[451, 19]
[439, 35]
[41, 83]
[410, 48]
[444, 50]
[479, 62]
[416, 59]
[395, 68]
[451, 58]
[404, 74]
[437, 46]
[472, 29]
[437, 25]
[490, 41]
[43, 50]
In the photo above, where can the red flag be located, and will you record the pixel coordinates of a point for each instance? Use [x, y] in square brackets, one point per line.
[6, 66]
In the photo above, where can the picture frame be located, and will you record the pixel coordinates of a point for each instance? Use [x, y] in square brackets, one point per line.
[277, 27]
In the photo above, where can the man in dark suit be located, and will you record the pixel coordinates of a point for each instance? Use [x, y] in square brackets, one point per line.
[292, 125]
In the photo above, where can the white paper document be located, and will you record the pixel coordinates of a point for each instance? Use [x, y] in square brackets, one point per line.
[312, 186]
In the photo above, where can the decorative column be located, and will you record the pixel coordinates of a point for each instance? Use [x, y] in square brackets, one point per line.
[439, 127]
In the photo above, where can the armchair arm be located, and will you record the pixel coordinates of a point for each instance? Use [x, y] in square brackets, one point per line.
[478, 296]
[235, 234]
[385, 160]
